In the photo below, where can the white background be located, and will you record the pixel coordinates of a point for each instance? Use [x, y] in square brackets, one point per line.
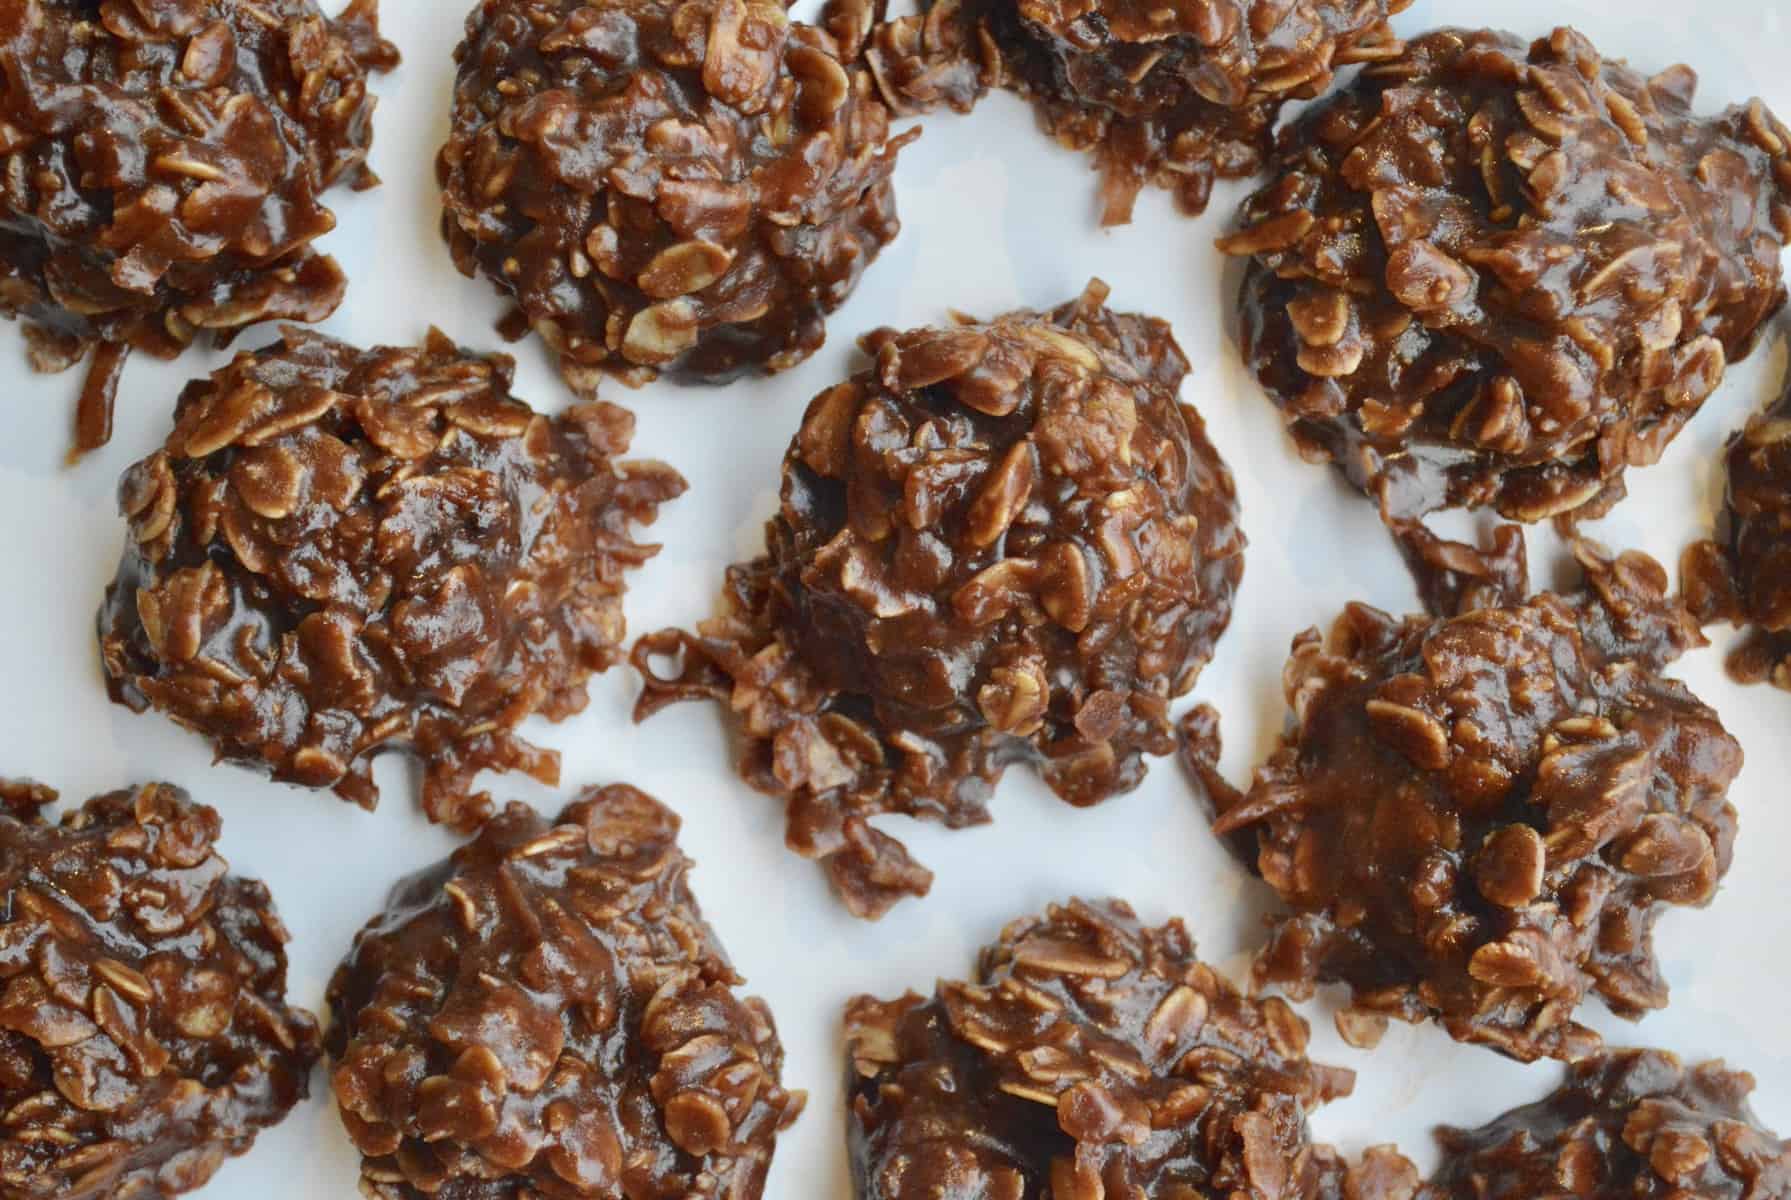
[995, 217]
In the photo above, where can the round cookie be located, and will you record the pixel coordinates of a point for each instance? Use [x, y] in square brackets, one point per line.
[1631, 1123]
[1477, 820]
[1498, 274]
[1001, 542]
[662, 186]
[1177, 96]
[1093, 1056]
[145, 1035]
[164, 167]
[547, 1014]
[339, 552]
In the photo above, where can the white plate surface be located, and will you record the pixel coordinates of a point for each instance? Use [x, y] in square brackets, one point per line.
[995, 217]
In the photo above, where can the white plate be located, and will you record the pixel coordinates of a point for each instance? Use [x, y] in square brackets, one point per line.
[995, 217]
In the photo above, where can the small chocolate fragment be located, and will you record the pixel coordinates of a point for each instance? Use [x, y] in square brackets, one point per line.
[1476, 820]
[1498, 275]
[144, 1031]
[1200, 746]
[664, 186]
[164, 168]
[340, 551]
[1091, 1056]
[1003, 542]
[1744, 576]
[547, 1014]
[1631, 1123]
[1171, 95]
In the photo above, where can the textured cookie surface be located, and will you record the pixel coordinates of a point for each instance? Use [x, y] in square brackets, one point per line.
[1492, 273]
[1175, 95]
[1744, 575]
[1093, 1056]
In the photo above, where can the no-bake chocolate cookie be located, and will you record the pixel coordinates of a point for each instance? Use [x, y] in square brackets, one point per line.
[1092, 1056]
[1744, 575]
[338, 552]
[1492, 273]
[547, 1014]
[144, 1031]
[162, 166]
[1477, 820]
[671, 187]
[1632, 1123]
[1171, 95]
[1001, 542]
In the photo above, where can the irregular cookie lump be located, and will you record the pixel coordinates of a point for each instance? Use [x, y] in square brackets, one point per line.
[144, 1031]
[1171, 95]
[1492, 274]
[1003, 541]
[1745, 576]
[164, 166]
[1633, 1123]
[1092, 1056]
[547, 1014]
[1477, 820]
[662, 186]
[340, 551]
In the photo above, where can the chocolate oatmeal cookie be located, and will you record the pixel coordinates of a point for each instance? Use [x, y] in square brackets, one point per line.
[1477, 820]
[1000, 542]
[547, 1014]
[1093, 1056]
[1744, 574]
[1497, 274]
[144, 1031]
[162, 167]
[687, 188]
[1171, 95]
[1631, 1123]
[342, 551]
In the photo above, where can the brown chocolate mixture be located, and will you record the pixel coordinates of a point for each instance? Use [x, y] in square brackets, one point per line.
[1744, 575]
[1477, 820]
[665, 186]
[162, 166]
[341, 551]
[1171, 95]
[1001, 542]
[546, 1014]
[1092, 1057]
[1492, 274]
[1629, 1125]
[144, 1031]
